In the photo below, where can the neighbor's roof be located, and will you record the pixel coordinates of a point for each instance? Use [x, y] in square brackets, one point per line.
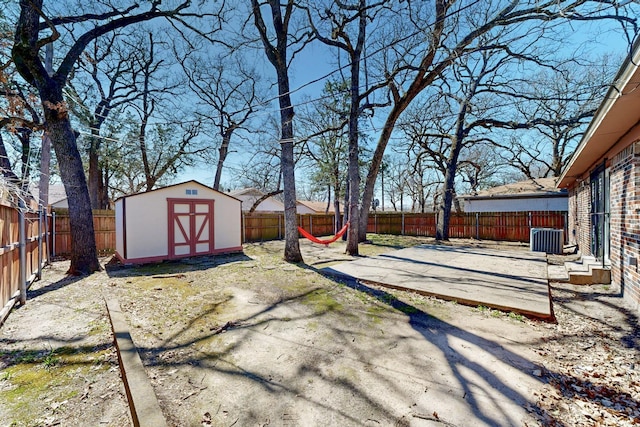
[617, 114]
[316, 206]
[246, 192]
[539, 187]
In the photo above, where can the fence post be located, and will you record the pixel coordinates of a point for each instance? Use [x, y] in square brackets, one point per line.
[39, 274]
[477, 225]
[47, 238]
[22, 244]
[53, 234]
[279, 228]
[311, 224]
[402, 232]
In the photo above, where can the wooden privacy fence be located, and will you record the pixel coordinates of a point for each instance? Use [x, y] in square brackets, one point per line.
[104, 225]
[505, 226]
[23, 252]
[501, 226]
[258, 227]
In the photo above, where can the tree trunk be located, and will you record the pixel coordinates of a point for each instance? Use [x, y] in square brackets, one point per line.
[326, 210]
[95, 175]
[222, 156]
[45, 171]
[354, 149]
[354, 185]
[84, 256]
[448, 191]
[376, 161]
[346, 207]
[337, 223]
[444, 209]
[24, 136]
[5, 165]
[292, 243]
[277, 55]
[336, 197]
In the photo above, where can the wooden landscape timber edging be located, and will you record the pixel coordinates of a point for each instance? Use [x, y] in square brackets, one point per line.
[23, 253]
[143, 403]
[260, 227]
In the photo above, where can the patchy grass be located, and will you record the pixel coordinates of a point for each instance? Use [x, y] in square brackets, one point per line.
[322, 301]
[32, 374]
[380, 243]
[516, 316]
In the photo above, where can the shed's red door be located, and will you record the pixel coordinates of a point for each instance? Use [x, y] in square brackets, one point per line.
[190, 227]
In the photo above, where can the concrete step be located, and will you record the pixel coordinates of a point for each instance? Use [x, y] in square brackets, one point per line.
[596, 276]
[588, 271]
[557, 273]
[583, 264]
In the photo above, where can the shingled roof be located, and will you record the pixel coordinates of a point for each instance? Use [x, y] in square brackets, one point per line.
[527, 188]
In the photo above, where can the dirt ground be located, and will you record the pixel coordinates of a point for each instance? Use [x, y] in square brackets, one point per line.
[249, 340]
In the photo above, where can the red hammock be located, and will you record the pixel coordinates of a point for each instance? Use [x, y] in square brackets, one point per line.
[326, 242]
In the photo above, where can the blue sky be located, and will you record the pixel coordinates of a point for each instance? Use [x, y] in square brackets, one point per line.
[315, 63]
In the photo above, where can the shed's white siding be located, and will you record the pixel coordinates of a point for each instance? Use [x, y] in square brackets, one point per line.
[517, 204]
[142, 221]
[119, 227]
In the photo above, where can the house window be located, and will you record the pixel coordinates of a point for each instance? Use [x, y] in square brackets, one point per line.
[191, 192]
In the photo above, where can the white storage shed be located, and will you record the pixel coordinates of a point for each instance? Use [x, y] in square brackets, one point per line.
[177, 221]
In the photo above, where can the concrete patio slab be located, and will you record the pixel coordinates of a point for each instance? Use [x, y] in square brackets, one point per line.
[506, 280]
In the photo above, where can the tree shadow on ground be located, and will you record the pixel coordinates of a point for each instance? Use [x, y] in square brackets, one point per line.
[479, 387]
[440, 333]
[595, 352]
[175, 352]
[115, 268]
[627, 324]
[54, 286]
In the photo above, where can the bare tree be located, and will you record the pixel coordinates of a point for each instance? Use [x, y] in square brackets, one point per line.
[556, 105]
[479, 168]
[326, 143]
[105, 80]
[20, 119]
[229, 98]
[34, 29]
[449, 30]
[163, 147]
[469, 94]
[276, 45]
[340, 16]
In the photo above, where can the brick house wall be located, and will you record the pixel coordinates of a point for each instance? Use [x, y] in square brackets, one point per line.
[612, 140]
[579, 224]
[625, 222]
